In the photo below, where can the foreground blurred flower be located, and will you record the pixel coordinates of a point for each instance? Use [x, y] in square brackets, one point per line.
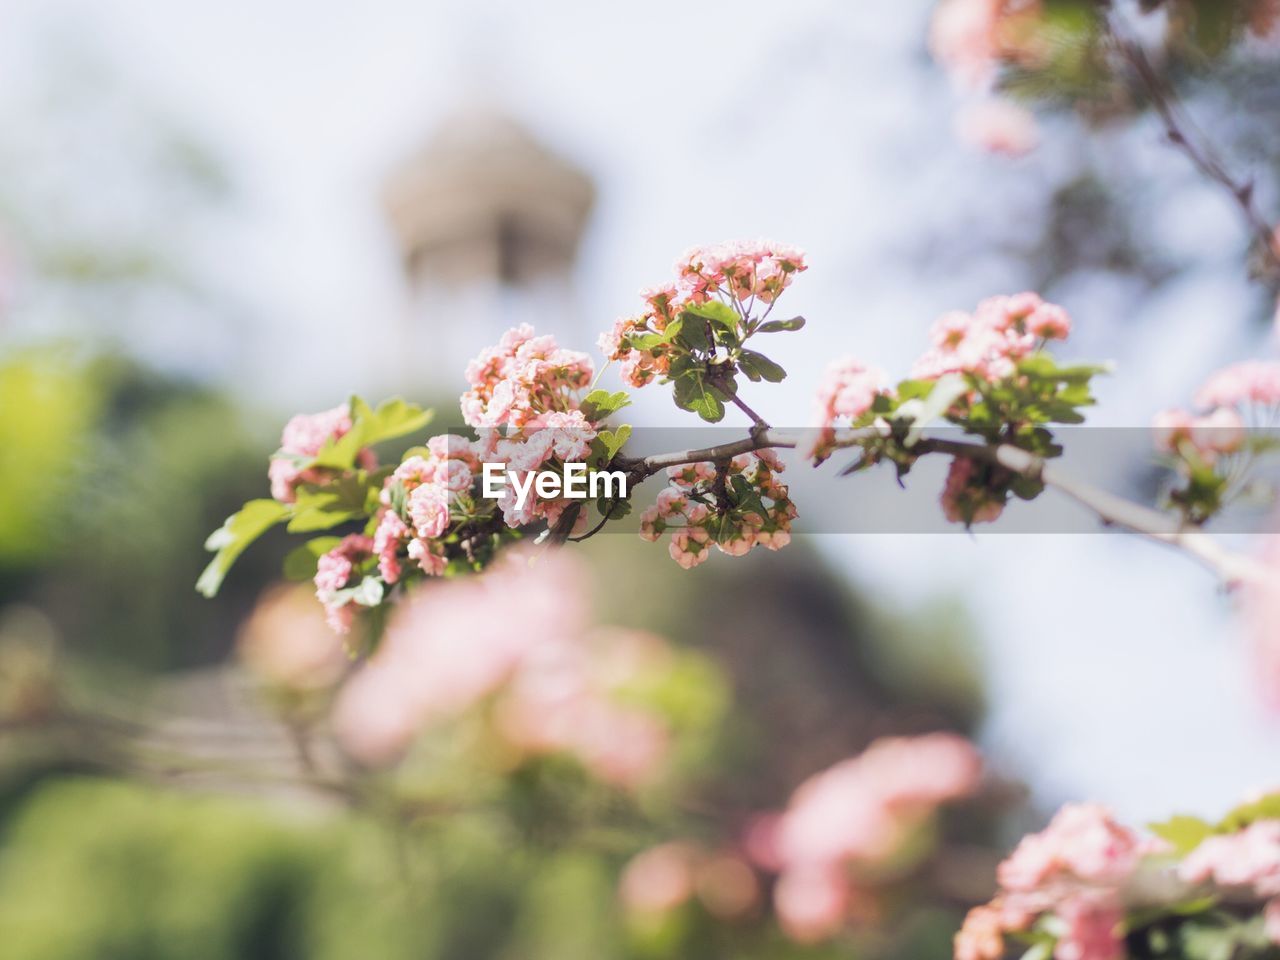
[999, 126]
[287, 644]
[857, 815]
[518, 638]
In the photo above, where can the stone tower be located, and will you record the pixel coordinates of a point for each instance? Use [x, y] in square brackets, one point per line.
[488, 223]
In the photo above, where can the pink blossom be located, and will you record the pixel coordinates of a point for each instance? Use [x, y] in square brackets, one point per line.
[571, 435]
[860, 809]
[962, 38]
[658, 880]
[1248, 858]
[515, 641]
[391, 534]
[1093, 930]
[998, 125]
[428, 507]
[287, 644]
[304, 437]
[845, 393]
[1219, 432]
[1242, 384]
[1083, 842]
[689, 547]
[982, 935]
[812, 902]
[966, 499]
[523, 377]
[337, 570]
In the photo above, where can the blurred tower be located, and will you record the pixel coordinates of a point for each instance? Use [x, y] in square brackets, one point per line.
[488, 222]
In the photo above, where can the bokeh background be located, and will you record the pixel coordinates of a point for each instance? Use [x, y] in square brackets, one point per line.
[214, 216]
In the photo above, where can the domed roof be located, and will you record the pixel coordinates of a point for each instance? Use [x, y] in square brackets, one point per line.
[484, 196]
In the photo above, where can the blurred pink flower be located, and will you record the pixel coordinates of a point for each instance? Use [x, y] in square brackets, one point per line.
[517, 637]
[1083, 842]
[998, 125]
[1242, 384]
[845, 393]
[658, 880]
[286, 642]
[856, 813]
[1093, 931]
[1249, 858]
[812, 902]
[965, 499]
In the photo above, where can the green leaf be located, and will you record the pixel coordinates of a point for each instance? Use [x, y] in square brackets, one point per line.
[1182, 832]
[692, 393]
[761, 366]
[300, 563]
[777, 326]
[321, 508]
[647, 341]
[1266, 808]
[716, 312]
[238, 531]
[913, 389]
[614, 440]
[601, 403]
[693, 333]
[393, 418]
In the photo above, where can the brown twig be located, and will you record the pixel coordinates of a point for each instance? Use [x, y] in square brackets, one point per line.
[1183, 133]
[1233, 569]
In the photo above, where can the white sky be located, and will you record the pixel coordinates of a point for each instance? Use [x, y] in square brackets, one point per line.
[1116, 671]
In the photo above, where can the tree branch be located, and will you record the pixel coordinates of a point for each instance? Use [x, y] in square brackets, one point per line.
[1182, 132]
[1233, 569]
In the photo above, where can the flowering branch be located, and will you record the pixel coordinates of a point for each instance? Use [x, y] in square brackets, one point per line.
[1232, 568]
[989, 374]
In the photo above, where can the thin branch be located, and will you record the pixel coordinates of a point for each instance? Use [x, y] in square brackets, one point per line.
[1182, 132]
[1232, 568]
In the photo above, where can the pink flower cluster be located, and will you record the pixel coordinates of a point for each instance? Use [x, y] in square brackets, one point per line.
[1209, 436]
[853, 816]
[969, 495]
[517, 641]
[305, 435]
[845, 395]
[1249, 858]
[1250, 389]
[742, 271]
[989, 342]
[418, 501]
[1252, 383]
[339, 570]
[739, 273]
[523, 377]
[702, 507]
[1076, 870]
